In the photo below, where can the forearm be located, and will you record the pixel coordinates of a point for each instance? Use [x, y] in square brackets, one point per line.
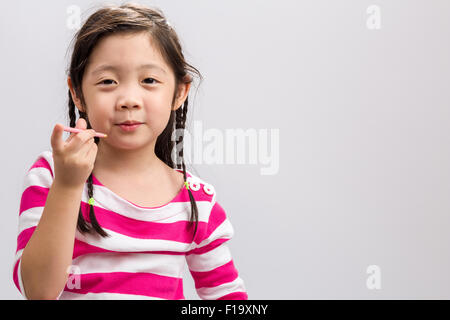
[49, 251]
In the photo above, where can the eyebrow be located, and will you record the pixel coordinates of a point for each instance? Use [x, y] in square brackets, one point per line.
[106, 67]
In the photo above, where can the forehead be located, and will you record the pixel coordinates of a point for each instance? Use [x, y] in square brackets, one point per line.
[126, 52]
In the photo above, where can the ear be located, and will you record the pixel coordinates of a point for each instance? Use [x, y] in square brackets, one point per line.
[75, 99]
[183, 91]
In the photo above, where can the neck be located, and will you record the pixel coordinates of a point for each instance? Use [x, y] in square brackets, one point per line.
[133, 163]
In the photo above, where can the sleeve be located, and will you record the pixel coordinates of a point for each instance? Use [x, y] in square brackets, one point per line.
[36, 185]
[210, 262]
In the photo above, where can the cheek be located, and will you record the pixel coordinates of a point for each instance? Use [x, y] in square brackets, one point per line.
[157, 118]
[100, 113]
[158, 111]
[100, 121]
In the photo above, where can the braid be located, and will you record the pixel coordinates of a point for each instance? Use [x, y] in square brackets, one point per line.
[72, 116]
[81, 223]
[92, 217]
[180, 124]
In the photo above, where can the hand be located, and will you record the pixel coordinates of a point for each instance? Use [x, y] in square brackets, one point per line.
[74, 158]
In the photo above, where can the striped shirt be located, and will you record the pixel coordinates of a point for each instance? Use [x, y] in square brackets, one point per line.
[145, 254]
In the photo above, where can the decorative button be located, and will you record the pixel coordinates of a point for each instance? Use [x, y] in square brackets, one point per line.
[209, 189]
[194, 184]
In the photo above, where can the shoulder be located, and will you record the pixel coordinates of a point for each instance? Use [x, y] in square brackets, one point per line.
[215, 221]
[42, 165]
[205, 194]
[201, 188]
[40, 172]
[43, 160]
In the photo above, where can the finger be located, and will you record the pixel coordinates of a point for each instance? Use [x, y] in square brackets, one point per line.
[56, 138]
[81, 139]
[92, 151]
[80, 124]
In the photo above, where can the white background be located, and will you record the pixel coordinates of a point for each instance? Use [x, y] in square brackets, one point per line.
[364, 122]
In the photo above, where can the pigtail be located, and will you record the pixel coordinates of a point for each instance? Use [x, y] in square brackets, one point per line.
[82, 225]
[181, 124]
[92, 217]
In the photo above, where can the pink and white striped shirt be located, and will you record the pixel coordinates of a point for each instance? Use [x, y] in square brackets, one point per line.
[144, 256]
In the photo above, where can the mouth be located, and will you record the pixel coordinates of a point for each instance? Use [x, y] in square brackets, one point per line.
[129, 125]
[130, 122]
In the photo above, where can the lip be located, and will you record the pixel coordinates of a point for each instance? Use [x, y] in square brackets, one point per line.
[130, 122]
[129, 127]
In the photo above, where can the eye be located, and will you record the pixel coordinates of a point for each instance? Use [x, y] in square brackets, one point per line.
[103, 81]
[152, 82]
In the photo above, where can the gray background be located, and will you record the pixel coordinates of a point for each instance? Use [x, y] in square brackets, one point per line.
[364, 176]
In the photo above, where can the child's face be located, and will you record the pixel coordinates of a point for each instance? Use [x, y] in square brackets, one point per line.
[129, 92]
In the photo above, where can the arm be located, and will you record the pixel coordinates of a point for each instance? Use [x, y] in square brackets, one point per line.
[49, 213]
[49, 251]
[211, 264]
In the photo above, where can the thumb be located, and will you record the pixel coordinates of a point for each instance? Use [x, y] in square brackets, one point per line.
[56, 139]
[81, 124]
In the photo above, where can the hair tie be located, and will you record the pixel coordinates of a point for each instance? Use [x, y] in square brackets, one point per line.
[187, 185]
[91, 201]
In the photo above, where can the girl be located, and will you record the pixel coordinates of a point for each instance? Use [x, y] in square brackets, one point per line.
[111, 217]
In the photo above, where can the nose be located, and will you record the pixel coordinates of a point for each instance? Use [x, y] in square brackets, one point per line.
[129, 104]
[129, 100]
